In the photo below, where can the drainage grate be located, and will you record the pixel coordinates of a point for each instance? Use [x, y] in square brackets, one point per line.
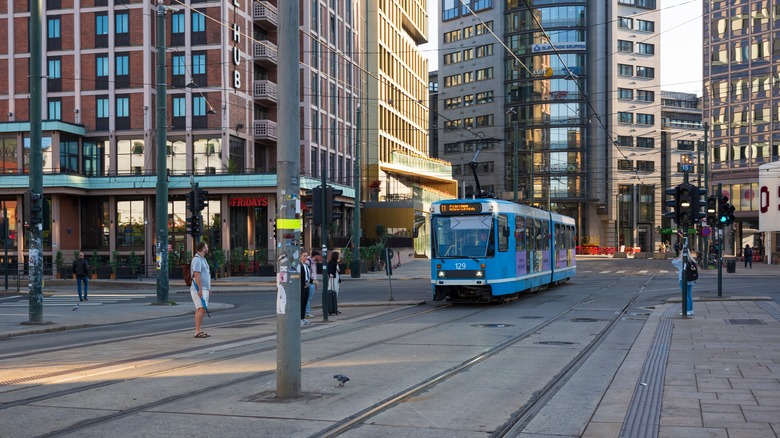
[584, 320]
[745, 322]
[492, 325]
[555, 343]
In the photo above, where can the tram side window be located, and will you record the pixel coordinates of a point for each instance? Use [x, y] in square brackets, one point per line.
[519, 233]
[530, 234]
[503, 233]
[545, 233]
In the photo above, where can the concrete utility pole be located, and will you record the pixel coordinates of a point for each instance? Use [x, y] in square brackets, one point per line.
[288, 224]
[161, 208]
[35, 196]
[356, 233]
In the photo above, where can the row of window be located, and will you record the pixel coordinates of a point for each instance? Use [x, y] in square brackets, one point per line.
[641, 142]
[641, 166]
[467, 146]
[746, 115]
[640, 25]
[468, 54]
[641, 71]
[469, 100]
[639, 48]
[641, 95]
[742, 153]
[647, 4]
[742, 21]
[757, 51]
[641, 119]
[467, 32]
[469, 122]
[468, 77]
[452, 9]
[482, 167]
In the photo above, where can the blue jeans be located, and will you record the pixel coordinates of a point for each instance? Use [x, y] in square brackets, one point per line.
[689, 298]
[85, 279]
[308, 302]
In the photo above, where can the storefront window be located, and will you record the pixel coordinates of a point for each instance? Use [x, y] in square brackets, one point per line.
[69, 155]
[207, 156]
[45, 150]
[8, 229]
[130, 157]
[94, 223]
[130, 224]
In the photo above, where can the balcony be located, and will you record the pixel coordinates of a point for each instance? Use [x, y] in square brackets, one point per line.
[265, 53]
[265, 91]
[265, 15]
[265, 130]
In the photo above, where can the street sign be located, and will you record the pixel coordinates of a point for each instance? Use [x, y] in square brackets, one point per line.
[706, 231]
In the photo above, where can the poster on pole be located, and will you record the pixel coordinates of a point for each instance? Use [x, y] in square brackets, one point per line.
[769, 197]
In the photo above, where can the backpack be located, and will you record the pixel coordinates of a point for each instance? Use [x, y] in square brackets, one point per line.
[749, 252]
[692, 271]
[187, 275]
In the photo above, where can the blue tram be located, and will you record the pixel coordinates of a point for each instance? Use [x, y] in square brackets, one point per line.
[487, 250]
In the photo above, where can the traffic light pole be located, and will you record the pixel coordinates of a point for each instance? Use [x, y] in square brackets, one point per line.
[685, 261]
[720, 246]
[288, 221]
[324, 200]
[161, 207]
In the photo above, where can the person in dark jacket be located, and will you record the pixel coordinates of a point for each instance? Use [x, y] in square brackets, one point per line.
[82, 271]
[747, 253]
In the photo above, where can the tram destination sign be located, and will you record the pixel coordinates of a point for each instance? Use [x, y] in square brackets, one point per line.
[461, 208]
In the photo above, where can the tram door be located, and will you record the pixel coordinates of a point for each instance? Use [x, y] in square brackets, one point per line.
[522, 262]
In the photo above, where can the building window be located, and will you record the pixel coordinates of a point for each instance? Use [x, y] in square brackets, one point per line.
[645, 96]
[122, 112]
[485, 97]
[179, 112]
[69, 155]
[102, 113]
[647, 4]
[55, 109]
[625, 70]
[122, 33]
[92, 157]
[484, 74]
[198, 106]
[54, 33]
[625, 94]
[685, 145]
[207, 155]
[198, 28]
[130, 220]
[645, 142]
[485, 120]
[450, 9]
[625, 165]
[645, 119]
[95, 223]
[645, 26]
[101, 73]
[452, 148]
[468, 77]
[177, 28]
[625, 46]
[199, 68]
[468, 100]
[625, 23]
[9, 161]
[122, 71]
[130, 157]
[452, 102]
[178, 70]
[485, 50]
[625, 117]
[101, 29]
[451, 81]
[483, 28]
[54, 74]
[625, 140]
[645, 49]
[451, 36]
[452, 58]
[645, 72]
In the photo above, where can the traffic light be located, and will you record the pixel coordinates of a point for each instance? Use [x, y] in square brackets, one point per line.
[36, 208]
[274, 221]
[193, 226]
[202, 199]
[192, 202]
[317, 205]
[712, 211]
[725, 212]
[216, 237]
[686, 202]
[674, 193]
[334, 213]
[699, 204]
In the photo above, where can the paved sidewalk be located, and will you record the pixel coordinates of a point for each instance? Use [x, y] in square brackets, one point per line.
[716, 374]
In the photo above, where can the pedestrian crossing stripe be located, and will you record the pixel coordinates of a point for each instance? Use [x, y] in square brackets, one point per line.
[68, 300]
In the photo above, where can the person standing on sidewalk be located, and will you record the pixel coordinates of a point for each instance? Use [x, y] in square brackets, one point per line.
[312, 263]
[201, 286]
[82, 271]
[680, 265]
[334, 276]
[747, 253]
[303, 268]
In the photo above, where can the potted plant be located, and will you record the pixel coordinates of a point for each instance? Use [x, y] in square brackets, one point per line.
[59, 261]
[94, 262]
[135, 263]
[219, 262]
[114, 262]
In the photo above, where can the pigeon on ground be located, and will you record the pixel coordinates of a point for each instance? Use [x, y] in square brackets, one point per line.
[76, 307]
[341, 378]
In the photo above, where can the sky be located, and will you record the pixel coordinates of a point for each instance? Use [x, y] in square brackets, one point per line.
[680, 43]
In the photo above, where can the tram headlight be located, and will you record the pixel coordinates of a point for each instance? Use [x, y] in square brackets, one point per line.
[441, 274]
[480, 274]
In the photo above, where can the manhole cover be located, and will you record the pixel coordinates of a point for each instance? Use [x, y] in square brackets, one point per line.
[584, 320]
[492, 325]
[745, 321]
[555, 343]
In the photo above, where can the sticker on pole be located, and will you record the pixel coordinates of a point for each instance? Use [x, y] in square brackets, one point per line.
[288, 224]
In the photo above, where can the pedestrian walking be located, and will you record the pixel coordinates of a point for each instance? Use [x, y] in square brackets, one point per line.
[747, 253]
[82, 270]
[201, 286]
[680, 263]
[305, 272]
[315, 258]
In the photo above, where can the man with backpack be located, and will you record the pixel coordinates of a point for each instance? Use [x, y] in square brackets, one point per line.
[747, 253]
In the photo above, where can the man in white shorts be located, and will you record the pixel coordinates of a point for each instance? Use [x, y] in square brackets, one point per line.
[201, 285]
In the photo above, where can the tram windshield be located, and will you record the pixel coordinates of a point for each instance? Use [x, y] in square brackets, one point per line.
[463, 236]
